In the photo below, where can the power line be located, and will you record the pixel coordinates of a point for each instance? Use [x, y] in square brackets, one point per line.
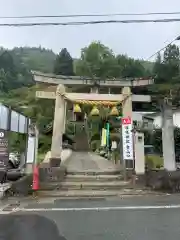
[88, 22]
[176, 39]
[90, 15]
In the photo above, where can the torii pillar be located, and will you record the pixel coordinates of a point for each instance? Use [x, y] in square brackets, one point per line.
[126, 112]
[127, 102]
[58, 127]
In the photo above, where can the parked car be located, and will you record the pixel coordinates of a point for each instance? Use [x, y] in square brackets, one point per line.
[14, 160]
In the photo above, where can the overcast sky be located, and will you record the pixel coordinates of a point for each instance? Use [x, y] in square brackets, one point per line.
[136, 40]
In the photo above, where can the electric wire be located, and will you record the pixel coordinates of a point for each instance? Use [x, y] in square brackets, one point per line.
[88, 22]
[90, 15]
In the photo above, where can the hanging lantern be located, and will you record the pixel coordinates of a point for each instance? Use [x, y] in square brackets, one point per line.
[114, 112]
[76, 108]
[94, 111]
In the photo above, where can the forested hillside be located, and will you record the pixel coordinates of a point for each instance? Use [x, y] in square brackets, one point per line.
[95, 60]
[17, 87]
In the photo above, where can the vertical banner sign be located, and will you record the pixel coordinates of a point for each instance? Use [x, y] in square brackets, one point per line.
[104, 137]
[127, 138]
[107, 135]
[4, 148]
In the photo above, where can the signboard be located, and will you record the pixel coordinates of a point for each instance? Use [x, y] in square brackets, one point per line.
[127, 138]
[4, 150]
[103, 138]
[44, 94]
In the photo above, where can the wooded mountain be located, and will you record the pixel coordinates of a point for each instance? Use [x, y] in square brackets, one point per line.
[34, 58]
[17, 87]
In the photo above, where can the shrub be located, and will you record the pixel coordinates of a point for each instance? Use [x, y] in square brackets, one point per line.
[154, 161]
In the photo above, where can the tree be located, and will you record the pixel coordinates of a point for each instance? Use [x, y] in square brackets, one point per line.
[97, 60]
[167, 76]
[64, 63]
[13, 75]
[131, 67]
[34, 58]
[166, 68]
[7, 63]
[3, 82]
[171, 62]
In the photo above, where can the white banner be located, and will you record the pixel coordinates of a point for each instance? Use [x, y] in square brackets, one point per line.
[31, 149]
[104, 137]
[127, 138]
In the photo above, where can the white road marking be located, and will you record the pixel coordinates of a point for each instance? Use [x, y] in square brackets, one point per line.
[16, 209]
[97, 208]
[8, 212]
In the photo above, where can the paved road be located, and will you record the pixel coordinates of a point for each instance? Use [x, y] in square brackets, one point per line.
[147, 218]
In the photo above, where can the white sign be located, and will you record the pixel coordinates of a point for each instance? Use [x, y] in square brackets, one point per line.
[114, 145]
[44, 94]
[127, 138]
[1, 134]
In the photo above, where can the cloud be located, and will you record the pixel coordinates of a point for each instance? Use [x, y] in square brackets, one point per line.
[137, 40]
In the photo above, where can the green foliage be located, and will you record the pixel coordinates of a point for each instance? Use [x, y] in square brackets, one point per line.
[63, 64]
[39, 59]
[17, 142]
[148, 66]
[44, 144]
[155, 138]
[12, 76]
[97, 60]
[95, 145]
[131, 67]
[154, 161]
[166, 67]
[41, 156]
[17, 88]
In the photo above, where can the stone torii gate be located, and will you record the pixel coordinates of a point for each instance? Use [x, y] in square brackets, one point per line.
[61, 97]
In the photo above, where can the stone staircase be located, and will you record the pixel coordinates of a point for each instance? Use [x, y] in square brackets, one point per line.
[85, 185]
[85, 179]
[81, 140]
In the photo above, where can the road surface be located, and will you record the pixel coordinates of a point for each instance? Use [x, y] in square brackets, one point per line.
[132, 218]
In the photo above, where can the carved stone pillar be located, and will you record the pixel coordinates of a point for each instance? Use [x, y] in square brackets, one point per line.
[58, 127]
[168, 137]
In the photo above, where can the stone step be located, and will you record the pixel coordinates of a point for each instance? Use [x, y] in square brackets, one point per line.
[79, 194]
[91, 178]
[66, 185]
[94, 173]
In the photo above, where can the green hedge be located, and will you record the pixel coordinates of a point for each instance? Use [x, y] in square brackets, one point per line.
[154, 161]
